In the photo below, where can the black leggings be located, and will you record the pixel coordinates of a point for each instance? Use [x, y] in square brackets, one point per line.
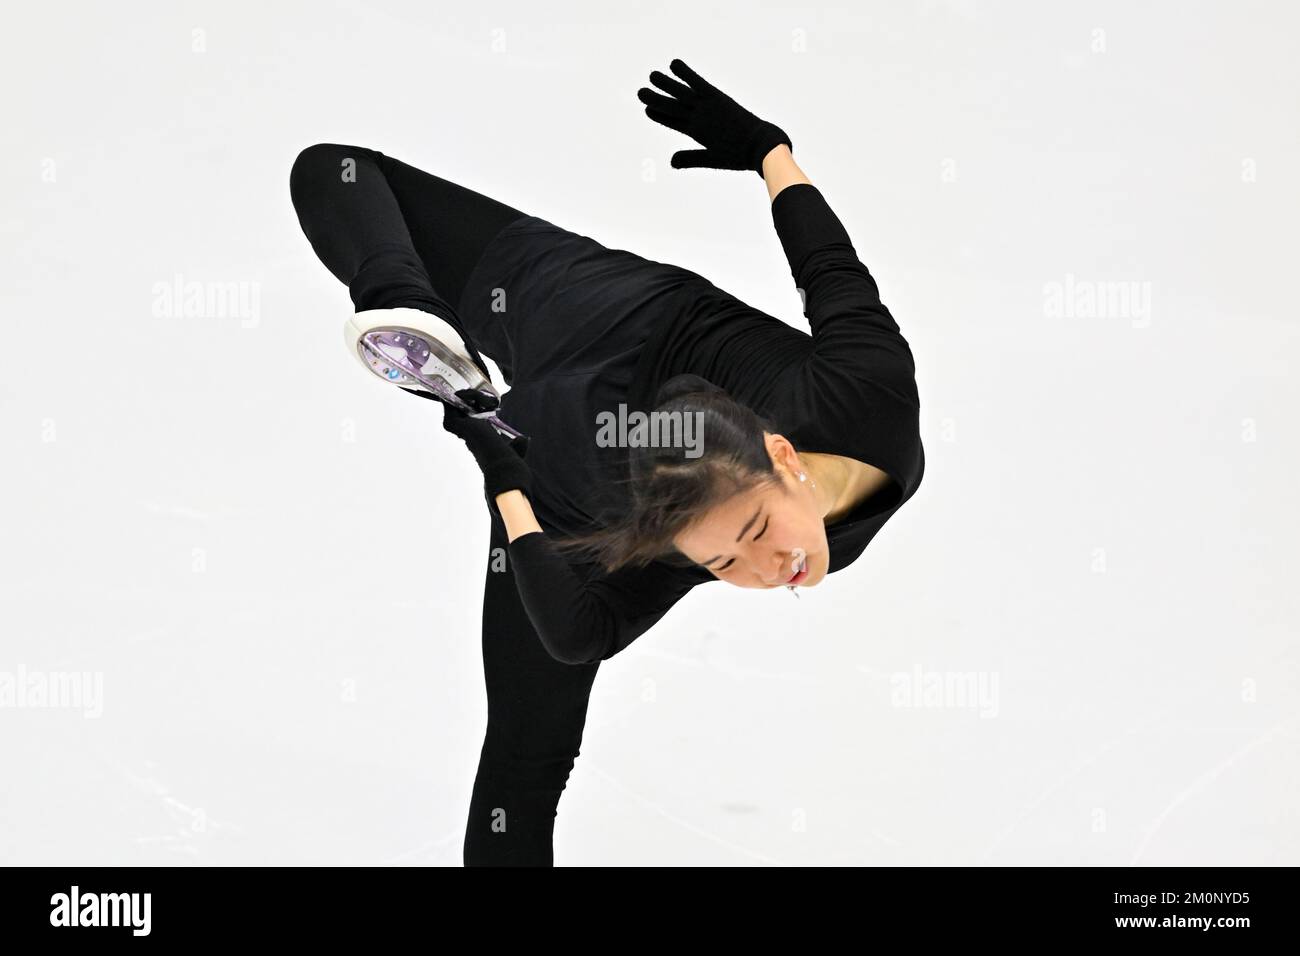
[398, 236]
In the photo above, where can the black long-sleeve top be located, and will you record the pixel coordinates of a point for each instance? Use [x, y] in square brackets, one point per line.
[847, 389]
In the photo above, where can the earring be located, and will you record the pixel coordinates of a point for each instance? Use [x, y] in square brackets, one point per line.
[793, 588]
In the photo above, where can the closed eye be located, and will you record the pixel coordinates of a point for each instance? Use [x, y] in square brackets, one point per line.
[732, 561]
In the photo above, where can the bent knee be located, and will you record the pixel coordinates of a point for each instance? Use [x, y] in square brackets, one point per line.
[324, 160]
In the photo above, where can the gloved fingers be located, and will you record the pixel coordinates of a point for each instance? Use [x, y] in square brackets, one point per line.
[696, 82]
[669, 85]
[477, 434]
[679, 123]
[453, 419]
[478, 401]
[664, 104]
[459, 422]
[693, 159]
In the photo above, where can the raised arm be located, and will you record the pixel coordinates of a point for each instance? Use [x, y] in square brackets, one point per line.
[851, 327]
[853, 332]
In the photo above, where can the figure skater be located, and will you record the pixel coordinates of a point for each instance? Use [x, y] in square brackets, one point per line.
[787, 451]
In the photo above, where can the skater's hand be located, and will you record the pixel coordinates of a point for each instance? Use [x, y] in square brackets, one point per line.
[501, 459]
[733, 137]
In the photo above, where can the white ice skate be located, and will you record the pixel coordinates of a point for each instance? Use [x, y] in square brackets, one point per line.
[421, 352]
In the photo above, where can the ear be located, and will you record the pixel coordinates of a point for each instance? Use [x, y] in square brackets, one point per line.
[782, 452]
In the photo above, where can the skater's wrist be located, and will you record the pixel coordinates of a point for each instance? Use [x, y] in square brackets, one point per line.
[780, 171]
[516, 513]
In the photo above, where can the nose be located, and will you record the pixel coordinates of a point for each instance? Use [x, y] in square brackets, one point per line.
[780, 573]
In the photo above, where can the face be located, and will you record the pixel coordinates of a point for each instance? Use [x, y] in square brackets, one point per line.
[751, 539]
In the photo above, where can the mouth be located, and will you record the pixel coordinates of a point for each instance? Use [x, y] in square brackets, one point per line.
[801, 571]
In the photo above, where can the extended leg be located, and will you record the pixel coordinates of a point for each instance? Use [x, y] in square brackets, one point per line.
[537, 708]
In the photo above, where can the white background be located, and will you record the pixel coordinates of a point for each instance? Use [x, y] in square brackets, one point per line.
[201, 509]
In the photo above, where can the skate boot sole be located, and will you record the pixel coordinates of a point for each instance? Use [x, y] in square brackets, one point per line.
[419, 351]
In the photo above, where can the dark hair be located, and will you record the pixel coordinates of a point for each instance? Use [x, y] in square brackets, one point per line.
[666, 490]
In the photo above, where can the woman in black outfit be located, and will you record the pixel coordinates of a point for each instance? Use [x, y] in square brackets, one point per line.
[810, 442]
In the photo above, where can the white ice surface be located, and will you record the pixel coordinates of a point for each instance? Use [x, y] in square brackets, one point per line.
[256, 547]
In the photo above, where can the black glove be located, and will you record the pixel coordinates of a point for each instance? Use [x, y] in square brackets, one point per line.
[733, 136]
[501, 459]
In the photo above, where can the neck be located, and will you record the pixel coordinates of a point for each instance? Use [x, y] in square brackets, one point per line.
[834, 491]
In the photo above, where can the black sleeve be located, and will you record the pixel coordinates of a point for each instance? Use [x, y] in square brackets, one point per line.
[581, 622]
[851, 329]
